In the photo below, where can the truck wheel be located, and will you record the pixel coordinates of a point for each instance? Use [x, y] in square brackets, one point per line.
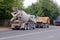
[43, 25]
[17, 27]
[34, 27]
[39, 26]
[13, 28]
[47, 26]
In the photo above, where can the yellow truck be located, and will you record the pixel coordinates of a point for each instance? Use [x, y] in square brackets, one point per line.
[43, 22]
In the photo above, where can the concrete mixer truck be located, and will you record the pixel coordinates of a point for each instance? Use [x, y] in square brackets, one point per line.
[22, 20]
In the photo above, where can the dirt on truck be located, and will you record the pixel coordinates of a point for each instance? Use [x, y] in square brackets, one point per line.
[43, 22]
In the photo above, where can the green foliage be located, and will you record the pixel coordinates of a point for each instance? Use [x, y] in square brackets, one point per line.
[45, 8]
[6, 8]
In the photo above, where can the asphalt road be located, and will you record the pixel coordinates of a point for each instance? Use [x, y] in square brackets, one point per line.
[52, 33]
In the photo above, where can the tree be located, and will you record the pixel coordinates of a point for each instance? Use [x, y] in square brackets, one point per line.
[6, 8]
[45, 8]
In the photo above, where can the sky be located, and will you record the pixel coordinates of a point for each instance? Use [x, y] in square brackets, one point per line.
[58, 2]
[29, 2]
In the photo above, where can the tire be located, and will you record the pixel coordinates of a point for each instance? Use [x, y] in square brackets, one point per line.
[33, 26]
[47, 26]
[36, 26]
[39, 25]
[17, 27]
[43, 26]
[13, 29]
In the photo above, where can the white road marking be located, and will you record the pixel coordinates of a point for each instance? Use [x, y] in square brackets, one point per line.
[28, 34]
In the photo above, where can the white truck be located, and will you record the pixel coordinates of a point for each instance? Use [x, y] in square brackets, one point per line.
[22, 20]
